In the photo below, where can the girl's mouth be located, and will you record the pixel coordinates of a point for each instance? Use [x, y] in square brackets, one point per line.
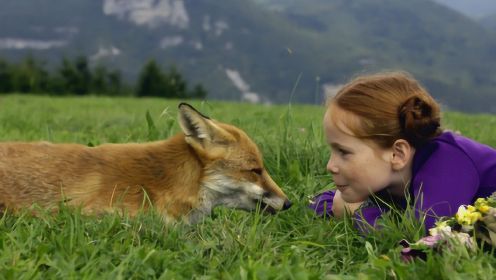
[341, 187]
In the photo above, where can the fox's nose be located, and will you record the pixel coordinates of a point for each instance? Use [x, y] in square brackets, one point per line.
[286, 205]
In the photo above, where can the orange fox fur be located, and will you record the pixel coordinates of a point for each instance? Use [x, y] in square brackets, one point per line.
[183, 177]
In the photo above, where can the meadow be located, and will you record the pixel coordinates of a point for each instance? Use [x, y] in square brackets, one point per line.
[231, 244]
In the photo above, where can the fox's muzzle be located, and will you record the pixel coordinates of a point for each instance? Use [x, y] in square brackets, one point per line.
[287, 204]
[271, 210]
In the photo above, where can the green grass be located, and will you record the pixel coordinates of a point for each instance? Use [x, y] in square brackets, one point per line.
[232, 244]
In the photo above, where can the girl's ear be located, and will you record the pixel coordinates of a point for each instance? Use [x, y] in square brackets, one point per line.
[402, 154]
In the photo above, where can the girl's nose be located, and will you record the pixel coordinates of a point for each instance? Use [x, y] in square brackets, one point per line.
[331, 166]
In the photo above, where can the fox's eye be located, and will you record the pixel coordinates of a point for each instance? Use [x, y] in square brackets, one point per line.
[257, 171]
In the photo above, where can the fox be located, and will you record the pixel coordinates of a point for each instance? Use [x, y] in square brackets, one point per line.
[183, 178]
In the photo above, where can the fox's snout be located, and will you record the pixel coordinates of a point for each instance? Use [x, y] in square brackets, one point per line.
[287, 204]
[270, 210]
[274, 197]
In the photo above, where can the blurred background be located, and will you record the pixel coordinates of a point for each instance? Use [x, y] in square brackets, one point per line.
[261, 51]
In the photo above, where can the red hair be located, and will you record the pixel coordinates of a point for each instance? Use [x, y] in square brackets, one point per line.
[386, 107]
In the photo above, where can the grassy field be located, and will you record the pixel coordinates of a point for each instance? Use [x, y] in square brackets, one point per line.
[232, 244]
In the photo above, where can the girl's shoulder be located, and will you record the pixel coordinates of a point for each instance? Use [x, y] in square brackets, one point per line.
[451, 150]
[470, 147]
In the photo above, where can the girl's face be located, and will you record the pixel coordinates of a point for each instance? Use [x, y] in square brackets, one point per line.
[359, 167]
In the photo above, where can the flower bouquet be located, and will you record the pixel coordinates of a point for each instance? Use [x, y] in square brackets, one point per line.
[470, 224]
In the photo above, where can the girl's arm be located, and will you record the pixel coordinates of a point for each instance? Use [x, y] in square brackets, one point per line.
[365, 214]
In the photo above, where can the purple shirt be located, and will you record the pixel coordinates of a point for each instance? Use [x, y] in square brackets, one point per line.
[447, 172]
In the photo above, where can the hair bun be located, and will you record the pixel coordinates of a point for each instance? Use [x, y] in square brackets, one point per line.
[419, 120]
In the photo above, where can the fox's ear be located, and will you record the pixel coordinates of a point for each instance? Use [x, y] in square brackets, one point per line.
[200, 129]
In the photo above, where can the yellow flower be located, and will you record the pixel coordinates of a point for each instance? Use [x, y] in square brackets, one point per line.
[480, 201]
[467, 216]
[482, 206]
[474, 217]
[484, 209]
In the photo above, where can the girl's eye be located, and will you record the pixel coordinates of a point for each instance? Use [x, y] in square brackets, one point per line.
[257, 171]
[342, 152]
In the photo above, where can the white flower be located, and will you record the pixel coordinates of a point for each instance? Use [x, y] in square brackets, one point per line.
[464, 239]
[441, 229]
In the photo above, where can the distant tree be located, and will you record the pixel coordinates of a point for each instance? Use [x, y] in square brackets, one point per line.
[176, 86]
[56, 84]
[76, 76]
[83, 74]
[106, 82]
[67, 77]
[30, 76]
[6, 83]
[99, 81]
[198, 92]
[114, 83]
[151, 81]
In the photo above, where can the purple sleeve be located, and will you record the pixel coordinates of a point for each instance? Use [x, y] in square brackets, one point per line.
[321, 204]
[364, 218]
[445, 181]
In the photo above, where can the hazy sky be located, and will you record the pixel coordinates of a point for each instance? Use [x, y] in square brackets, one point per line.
[472, 8]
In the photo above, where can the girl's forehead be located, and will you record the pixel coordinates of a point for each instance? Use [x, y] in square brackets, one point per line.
[340, 126]
[345, 122]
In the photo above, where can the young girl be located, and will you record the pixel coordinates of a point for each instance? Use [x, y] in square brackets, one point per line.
[387, 145]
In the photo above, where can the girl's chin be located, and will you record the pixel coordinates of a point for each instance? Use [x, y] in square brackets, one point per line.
[350, 198]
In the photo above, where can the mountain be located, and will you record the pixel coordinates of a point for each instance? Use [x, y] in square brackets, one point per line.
[489, 22]
[264, 50]
[235, 48]
[444, 49]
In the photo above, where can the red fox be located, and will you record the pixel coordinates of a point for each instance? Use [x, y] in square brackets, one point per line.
[184, 177]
